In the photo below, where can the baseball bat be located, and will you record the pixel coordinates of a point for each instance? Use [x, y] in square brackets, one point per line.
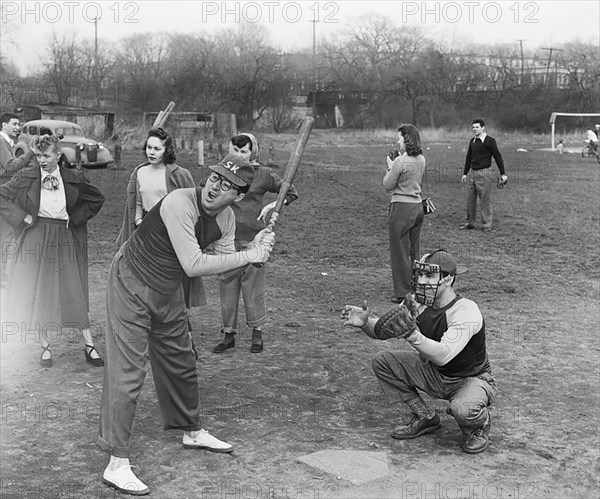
[291, 170]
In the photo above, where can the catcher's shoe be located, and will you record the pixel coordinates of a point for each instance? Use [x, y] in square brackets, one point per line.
[478, 440]
[416, 427]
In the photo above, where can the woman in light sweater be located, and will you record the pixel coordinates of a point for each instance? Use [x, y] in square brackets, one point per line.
[405, 219]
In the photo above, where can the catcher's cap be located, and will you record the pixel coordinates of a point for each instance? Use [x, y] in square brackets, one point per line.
[238, 171]
[446, 262]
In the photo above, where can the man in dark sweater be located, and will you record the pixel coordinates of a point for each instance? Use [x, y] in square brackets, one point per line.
[482, 148]
[452, 361]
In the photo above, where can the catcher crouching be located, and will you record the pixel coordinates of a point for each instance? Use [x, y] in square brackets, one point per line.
[448, 333]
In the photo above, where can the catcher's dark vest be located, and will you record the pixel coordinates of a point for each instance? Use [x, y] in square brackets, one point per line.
[472, 360]
[151, 256]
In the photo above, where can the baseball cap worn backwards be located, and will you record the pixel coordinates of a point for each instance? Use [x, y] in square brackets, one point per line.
[446, 262]
[235, 169]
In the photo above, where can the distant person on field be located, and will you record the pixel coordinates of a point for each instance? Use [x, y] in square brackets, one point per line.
[402, 180]
[250, 217]
[9, 165]
[482, 148]
[593, 136]
[560, 146]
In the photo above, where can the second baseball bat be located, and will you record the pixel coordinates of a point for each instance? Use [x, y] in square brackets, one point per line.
[291, 170]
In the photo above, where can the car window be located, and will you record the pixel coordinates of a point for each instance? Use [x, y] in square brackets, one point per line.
[45, 131]
[32, 130]
[74, 131]
[69, 131]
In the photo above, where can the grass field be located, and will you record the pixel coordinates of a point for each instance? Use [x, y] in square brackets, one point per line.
[535, 277]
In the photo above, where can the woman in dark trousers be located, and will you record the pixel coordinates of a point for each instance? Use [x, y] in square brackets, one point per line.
[403, 180]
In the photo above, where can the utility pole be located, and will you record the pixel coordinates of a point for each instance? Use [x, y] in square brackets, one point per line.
[520, 40]
[550, 50]
[95, 70]
[314, 67]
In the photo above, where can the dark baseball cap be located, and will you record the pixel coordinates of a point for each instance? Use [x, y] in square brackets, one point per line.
[235, 169]
[446, 262]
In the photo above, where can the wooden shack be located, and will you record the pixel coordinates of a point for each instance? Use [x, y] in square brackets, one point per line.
[95, 124]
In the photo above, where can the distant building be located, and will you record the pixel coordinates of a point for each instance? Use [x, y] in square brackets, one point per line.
[95, 123]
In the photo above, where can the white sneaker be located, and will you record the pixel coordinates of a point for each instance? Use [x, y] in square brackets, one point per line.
[205, 440]
[123, 479]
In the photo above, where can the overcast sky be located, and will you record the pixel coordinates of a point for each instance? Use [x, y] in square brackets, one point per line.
[457, 23]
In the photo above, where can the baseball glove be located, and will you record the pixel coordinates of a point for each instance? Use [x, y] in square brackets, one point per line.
[501, 182]
[400, 321]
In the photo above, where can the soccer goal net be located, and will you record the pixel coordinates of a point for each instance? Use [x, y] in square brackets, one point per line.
[553, 117]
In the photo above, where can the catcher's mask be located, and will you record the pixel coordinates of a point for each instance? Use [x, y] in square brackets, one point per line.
[436, 266]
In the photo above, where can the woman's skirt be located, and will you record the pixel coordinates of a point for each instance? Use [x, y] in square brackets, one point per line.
[46, 291]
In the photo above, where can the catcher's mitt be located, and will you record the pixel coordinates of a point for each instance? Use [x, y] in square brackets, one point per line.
[400, 321]
[501, 182]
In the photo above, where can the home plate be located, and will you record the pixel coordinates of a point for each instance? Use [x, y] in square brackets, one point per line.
[354, 466]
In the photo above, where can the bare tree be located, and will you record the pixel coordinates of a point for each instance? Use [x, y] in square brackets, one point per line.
[248, 70]
[63, 66]
[96, 69]
[582, 64]
[140, 70]
[372, 59]
[190, 72]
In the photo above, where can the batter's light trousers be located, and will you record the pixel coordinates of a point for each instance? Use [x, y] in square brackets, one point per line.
[139, 321]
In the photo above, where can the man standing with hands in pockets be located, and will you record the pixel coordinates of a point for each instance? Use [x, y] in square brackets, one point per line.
[482, 148]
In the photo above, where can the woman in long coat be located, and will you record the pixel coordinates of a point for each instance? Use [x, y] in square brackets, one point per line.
[48, 207]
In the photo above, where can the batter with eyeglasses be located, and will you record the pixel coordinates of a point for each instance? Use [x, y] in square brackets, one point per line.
[191, 232]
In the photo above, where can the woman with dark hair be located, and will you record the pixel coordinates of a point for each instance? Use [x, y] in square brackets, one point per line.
[152, 180]
[148, 184]
[405, 219]
[48, 207]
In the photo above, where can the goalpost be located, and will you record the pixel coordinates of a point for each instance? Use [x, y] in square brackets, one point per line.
[554, 115]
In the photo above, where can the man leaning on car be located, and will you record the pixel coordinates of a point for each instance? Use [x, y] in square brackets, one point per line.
[9, 165]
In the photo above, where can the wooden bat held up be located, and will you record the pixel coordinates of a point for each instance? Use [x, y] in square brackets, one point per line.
[291, 170]
[161, 119]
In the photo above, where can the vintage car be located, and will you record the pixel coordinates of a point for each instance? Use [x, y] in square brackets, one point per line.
[78, 151]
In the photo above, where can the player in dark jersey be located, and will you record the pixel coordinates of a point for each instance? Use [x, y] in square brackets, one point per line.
[450, 361]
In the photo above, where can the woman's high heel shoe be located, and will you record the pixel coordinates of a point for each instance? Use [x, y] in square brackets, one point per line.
[88, 358]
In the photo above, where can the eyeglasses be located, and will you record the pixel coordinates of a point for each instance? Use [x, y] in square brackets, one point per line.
[225, 184]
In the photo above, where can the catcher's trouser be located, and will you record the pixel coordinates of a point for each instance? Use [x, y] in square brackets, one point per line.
[480, 186]
[404, 226]
[400, 374]
[251, 283]
[141, 320]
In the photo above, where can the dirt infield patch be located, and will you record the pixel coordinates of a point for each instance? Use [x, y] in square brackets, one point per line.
[534, 276]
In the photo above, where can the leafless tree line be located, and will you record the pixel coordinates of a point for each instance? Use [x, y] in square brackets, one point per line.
[378, 71]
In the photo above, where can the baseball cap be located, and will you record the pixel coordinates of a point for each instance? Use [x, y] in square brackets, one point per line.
[235, 169]
[446, 262]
